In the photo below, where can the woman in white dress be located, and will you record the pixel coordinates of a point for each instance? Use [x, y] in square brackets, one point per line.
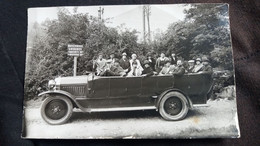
[135, 71]
[134, 59]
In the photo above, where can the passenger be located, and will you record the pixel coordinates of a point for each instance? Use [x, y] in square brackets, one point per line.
[100, 64]
[148, 71]
[167, 69]
[179, 69]
[111, 60]
[185, 64]
[206, 66]
[115, 70]
[198, 67]
[160, 62]
[134, 59]
[151, 62]
[173, 59]
[135, 71]
[191, 65]
[124, 62]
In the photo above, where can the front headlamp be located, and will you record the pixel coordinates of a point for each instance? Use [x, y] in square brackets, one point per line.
[51, 84]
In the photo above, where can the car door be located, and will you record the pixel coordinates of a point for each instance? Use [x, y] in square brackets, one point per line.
[149, 86]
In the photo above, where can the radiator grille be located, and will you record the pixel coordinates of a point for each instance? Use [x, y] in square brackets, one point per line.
[76, 90]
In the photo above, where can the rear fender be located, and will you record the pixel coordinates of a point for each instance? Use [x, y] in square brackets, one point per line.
[190, 105]
[60, 92]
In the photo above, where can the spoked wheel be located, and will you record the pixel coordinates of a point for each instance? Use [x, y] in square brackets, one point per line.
[56, 110]
[173, 106]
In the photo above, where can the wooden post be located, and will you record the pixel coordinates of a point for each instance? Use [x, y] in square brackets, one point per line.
[75, 66]
[75, 51]
[144, 10]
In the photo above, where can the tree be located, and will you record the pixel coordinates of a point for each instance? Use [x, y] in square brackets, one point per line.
[49, 57]
[203, 32]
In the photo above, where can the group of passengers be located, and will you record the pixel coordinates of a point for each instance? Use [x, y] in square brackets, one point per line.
[161, 66]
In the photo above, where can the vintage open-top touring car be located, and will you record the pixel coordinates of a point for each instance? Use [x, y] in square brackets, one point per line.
[171, 95]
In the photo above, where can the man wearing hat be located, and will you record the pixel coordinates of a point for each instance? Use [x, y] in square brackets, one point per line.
[124, 62]
[198, 67]
[179, 69]
[148, 71]
[191, 65]
[206, 66]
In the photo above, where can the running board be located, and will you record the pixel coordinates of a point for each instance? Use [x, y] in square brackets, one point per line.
[121, 109]
[200, 105]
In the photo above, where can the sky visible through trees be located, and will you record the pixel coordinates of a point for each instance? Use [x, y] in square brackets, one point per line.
[130, 16]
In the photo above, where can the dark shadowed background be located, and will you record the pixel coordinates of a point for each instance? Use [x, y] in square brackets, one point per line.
[245, 30]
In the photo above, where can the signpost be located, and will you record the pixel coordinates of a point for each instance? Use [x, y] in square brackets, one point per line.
[75, 51]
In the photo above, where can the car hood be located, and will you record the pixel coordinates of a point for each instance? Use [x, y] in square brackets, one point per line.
[72, 80]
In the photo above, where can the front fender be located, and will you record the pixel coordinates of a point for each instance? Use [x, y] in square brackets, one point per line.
[190, 105]
[58, 92]
[67, 94]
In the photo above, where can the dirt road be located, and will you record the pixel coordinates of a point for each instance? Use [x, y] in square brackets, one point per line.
[218, 119]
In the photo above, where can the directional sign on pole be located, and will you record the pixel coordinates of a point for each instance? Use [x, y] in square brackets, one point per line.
[75, 51]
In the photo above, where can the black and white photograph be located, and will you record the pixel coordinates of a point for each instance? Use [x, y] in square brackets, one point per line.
[130, 72]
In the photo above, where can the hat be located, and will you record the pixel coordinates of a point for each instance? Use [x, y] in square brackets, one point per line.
[134, 55]
[124, 54]
[191, 61]
[146, 62]
[198, 59]
[204, 58]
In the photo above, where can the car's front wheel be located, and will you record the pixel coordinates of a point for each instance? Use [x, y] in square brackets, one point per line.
[173, 106]
[56, 109]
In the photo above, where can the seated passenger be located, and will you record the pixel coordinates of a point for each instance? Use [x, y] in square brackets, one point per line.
[185, 64]
[124, 62]
[160, 62]
[167, 69]
[198, 66]
[135, 71]
[191, 65]
[100, 65]
[206, 66]
[138, 65]
[148, 71]
[115, 70]
[179, 69]
[151, 61]
[173, 58]
[111, 60]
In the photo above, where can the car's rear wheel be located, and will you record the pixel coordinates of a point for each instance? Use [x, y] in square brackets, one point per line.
[56, 109]
[173, 106]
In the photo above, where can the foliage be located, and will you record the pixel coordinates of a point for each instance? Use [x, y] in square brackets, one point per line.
[48, 55]
[204, 32]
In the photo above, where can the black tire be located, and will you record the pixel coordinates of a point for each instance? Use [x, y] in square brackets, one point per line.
[173, 106]
[56, 110]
